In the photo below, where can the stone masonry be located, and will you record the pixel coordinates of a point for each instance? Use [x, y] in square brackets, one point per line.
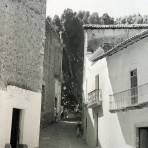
[22, 37]
[52, 72]
[22, 32]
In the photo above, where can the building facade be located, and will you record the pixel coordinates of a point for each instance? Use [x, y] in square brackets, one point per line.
[51, 89]
[115, 86]
[22, 33]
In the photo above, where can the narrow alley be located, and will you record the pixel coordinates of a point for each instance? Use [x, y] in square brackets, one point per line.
[61, 135]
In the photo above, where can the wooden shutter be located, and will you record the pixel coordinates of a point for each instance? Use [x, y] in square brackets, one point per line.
[97, 82]
[134, 84]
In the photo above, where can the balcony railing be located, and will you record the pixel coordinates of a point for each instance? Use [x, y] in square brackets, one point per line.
[136, 97]
[94, 98]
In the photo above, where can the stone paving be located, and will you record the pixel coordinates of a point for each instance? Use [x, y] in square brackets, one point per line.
[61, 135]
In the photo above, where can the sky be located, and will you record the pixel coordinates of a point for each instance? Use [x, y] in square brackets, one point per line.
[114, 8]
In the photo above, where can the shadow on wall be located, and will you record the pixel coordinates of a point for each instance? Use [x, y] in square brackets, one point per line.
[124, 118]
[46, 119]
[90, 129]
[99, 110]
[126, 127]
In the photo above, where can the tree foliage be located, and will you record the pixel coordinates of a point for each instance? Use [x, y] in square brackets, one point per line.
[94, 18]
[72, 33]
[57, 23]
[71, 25]
[106, 19]
[133, 19]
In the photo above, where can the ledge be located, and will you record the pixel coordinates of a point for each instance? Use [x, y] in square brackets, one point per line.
[94, 105]
[133, 107]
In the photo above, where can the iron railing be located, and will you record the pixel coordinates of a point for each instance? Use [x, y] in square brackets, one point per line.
[129, 98]
[94, 98]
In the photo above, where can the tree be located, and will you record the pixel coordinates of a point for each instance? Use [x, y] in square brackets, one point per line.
[49, 19]
[81, 14]
[57, 23]
[139, 19]
[94, 18]
[85, 18]
[130, 19]
[73, 54]
[145, 19]
[106, 19]
[123, 20]
[70, 23]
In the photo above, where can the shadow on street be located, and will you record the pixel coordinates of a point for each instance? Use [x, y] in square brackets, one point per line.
[61, 135]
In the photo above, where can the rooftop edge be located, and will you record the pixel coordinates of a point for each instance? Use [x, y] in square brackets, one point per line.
[120, 46]
[119, 26]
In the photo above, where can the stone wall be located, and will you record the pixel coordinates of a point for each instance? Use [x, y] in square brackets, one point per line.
[22, 31]
[52, 71]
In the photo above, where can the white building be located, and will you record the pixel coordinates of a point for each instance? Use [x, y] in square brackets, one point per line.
[22, 34]
[116, 86]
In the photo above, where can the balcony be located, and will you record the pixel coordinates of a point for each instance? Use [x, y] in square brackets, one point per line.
[94, 98]
[134, 98]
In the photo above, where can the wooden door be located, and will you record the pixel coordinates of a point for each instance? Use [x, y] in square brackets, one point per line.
[97, 129]
[15, 128]
[143, 137]
[95, 115]
[97, 82]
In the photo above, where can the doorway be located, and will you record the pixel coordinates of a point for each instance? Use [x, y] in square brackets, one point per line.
[96, 110]
[96, 124]
[15, 128]
[143, 137]
[96, 116]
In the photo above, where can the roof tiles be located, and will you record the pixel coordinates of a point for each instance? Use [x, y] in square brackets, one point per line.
[120, 46]
[119, 26]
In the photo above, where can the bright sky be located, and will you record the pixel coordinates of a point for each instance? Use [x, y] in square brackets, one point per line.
[114, 8]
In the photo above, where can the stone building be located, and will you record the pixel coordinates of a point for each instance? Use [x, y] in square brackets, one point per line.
[51, 88]
[116, 86]
[22, 33]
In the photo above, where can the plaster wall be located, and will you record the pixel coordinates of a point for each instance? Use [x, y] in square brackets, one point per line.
[22, 35]
[30, 104]
[117, 129]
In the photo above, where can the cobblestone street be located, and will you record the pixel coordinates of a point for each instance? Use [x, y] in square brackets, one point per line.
[61, 135]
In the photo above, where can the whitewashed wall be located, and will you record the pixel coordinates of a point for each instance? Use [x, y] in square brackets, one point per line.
[117, 129]
[30, 104]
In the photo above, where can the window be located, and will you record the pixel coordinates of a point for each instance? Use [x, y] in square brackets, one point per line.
[97, 82]
[97, 87]
[134, 84]
[43, 97]
[55, 102]
[86, 123]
